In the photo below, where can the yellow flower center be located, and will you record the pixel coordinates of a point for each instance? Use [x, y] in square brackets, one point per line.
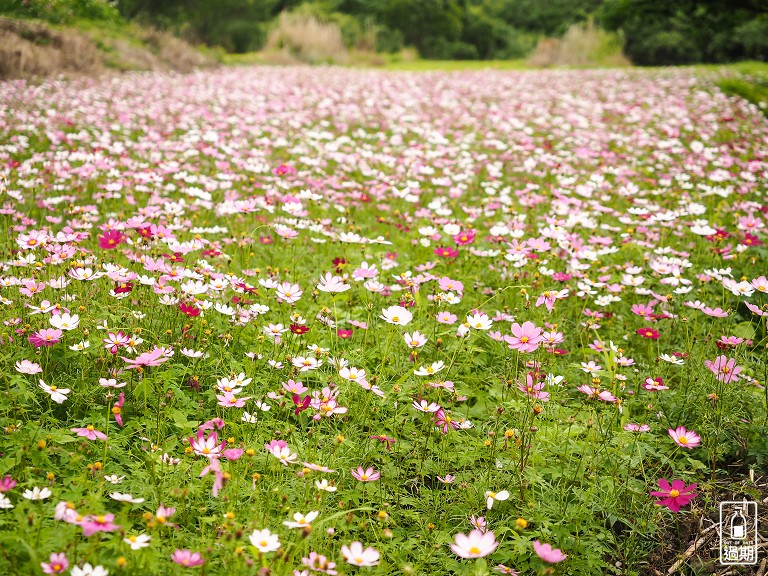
[474, 550]
[90, 428]
[674, 493]
[524, 339]
[683, 440]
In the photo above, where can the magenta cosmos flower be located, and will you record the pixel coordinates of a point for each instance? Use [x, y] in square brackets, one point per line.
[547, 553]
[111, 239]
[187, 558]
[675, 495]
[45, 337]
[724, 368]
[648, 333]
[525, 338]
[685, 438]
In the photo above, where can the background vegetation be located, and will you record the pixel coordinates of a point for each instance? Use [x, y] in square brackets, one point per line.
[651, 32]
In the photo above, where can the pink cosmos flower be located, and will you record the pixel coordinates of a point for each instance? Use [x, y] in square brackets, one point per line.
[208, 447]
[7, 483]
[154, 358]
[229, 400]
[547, 553]
[685, 438]
[57, 563]
[446, 318]
[447, 285]
[89, 432]
[111, 239]
[187, 558]
[674, 496]
[444, 421]
[218, 475]
[549, 297]
[358, 556]
[476, 544]
[93, 524]
[465, 238]
[117, 409]
[45, 337]
[446, 252]
[654, 384]
[631, 427]
[724, 368]
[533, 390]
[525, 338]
[113, 341]
[279, 449]
[367, 475]
[27, 367]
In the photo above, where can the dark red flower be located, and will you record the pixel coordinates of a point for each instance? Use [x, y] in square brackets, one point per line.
[189, 309]
[344, 334]
[124, 288]
[382, 438]
[340, 263]
[750, 240]
[300, 403]
[299, 329]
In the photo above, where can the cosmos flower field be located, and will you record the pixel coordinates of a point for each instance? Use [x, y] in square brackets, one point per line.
[302, 321]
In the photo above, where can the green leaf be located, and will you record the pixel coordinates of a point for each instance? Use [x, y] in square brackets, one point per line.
[744, 330]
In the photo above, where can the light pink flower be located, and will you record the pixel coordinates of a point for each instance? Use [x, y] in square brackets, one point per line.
[685, 438]
[101, 523]
[547, 553]
[357, 555]
[724, 368]
[367, 475]
[187, 558]
[89, 432]
[476, 544]
[525, 338]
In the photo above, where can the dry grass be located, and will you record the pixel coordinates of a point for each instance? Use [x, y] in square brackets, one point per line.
[583, 45]
[304, 38]
[30, 49]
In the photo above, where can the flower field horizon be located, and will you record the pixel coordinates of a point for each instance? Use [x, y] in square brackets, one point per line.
[301, 321]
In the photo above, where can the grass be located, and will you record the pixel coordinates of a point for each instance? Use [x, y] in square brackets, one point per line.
[492, 288]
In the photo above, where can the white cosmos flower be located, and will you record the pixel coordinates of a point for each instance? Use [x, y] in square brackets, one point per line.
[137, 542]
[324, 485]
[265, 541]
[396, 315]
[125, 498]
[302, 521]
[434, 368]
[491, 497]
[37, 493]
[58, 395]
